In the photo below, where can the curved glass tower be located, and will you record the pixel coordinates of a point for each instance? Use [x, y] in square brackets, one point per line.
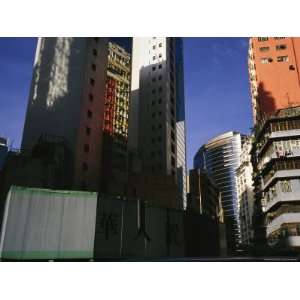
[221, 157]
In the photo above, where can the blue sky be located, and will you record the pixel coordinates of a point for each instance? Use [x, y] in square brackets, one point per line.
[216, 87]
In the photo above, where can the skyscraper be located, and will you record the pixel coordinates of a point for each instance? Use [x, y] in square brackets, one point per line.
[67, 100]
[274, 64]
[157, 116]
[220, 157]
[115, 126]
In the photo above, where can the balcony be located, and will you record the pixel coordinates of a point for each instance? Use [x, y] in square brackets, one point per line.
[275, 135]
[282, 197]
[284, 174]
[282, 219]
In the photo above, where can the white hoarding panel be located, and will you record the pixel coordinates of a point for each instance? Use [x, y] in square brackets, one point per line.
[48, 224]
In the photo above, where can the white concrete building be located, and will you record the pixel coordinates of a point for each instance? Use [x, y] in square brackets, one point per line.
[67, 100]
[157, 116]
[245, 193]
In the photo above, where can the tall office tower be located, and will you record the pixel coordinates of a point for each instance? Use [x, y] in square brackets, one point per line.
[273, 64]
[220, 157]
[276, 163]
[67, 100]
[245, 192]
[157, 116]
[115, 126]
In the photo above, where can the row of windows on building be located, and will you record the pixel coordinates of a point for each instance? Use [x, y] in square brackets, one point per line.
[264, 39]
[285, 186]
[86, 147]
[293, 164]
[268, 60]
[155, 46]
[278, 48]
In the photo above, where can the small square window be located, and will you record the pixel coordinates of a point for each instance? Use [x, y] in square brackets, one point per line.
[154, 57]
[91, 97]
[153, 47]
[92, 81]
[266, 60]
[264, 49]
[262, 39]
[86, 148]
[160, 45]
[153, 68]
[160, 66]
[93, 67]
[173, 124]
[159, 77]
[95, 52]
[172, 135]
[160, 55]
[281, 47]
[173, 148]
[89, 114]
[173, 161]
[84, 166]
[282, 58]
[159, 101]
[88, 130]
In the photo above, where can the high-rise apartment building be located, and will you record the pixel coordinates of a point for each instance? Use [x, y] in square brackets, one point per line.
[245, 193]
[157, 116]
[276, 164]
[67, 100]
[115, 126]
[220, 157]
[274, 64]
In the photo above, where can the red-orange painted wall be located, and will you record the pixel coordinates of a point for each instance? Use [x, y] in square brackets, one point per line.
[278, 82]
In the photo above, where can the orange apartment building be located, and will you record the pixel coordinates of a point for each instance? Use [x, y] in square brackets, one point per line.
[274, 64]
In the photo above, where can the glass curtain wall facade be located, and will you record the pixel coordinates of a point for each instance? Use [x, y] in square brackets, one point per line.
[221, 157]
